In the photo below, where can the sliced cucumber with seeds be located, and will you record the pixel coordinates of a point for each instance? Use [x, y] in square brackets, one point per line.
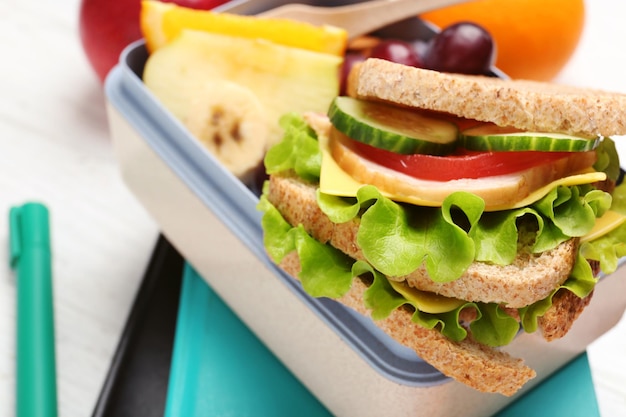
[489, 137]
[392, 128]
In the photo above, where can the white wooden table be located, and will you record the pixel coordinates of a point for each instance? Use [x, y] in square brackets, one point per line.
[54, 147]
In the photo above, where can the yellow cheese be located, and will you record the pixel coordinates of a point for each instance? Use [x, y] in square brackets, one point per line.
[428, 302]
[577, 179]
[335, 181]
[608, 222]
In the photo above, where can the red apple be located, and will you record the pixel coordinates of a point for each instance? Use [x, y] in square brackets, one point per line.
[197, 4]
[106, 27]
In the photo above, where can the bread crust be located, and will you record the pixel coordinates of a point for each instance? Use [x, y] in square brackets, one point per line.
[566, 307]
[480, 367]
[527, 105]
[530, 278]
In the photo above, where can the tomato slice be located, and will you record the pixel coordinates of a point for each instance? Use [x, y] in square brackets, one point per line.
[462, 164]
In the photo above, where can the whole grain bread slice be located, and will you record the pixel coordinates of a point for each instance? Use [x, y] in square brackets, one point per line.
[530, 278]
[527, 105]
[480, 367]
[566, 308]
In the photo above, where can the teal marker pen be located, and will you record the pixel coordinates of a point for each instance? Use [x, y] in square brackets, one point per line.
[30, 257]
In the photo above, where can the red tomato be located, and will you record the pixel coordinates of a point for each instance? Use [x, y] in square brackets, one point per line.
[462, 164]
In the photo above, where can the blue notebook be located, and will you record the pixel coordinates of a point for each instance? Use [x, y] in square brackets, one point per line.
[220, 368]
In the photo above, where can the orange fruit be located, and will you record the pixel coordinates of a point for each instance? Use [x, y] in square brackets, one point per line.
[162, 22]
[534, 38]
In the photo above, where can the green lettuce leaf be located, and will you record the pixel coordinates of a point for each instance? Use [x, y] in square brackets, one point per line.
[325, 270]
[572, 213]
[496, 235]
[609, 248]
[618, 203]
[382, 299]
[529, 315]
[581, 280]
[450, 325]
[298, 151]
[277, 239]
[397, 239]
[493, 327]
[607, 159]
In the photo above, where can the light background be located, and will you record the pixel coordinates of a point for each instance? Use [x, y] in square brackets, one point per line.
[54, 147]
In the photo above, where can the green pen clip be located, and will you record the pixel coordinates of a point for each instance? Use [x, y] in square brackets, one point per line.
[30, 256]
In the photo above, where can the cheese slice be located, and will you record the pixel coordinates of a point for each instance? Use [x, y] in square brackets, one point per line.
[425, 301]
[335, 181]
[609, 221]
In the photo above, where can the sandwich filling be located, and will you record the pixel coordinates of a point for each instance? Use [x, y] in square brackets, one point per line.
[398, 235]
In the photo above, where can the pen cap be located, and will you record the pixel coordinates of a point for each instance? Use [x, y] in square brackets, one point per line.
[29, 228]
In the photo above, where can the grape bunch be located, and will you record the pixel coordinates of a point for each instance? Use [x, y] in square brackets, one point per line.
[463, 47]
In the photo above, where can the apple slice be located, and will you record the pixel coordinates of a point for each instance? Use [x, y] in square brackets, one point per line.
[284, 79]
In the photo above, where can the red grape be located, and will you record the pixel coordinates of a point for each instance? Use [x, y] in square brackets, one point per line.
[397, 51]
[349, 60]
[420, 47]
[462, 48]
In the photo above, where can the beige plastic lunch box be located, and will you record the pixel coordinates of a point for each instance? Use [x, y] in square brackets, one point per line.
[342, 358]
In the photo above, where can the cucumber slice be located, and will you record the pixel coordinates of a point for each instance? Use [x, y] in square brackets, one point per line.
[392, 128]
[489, 137]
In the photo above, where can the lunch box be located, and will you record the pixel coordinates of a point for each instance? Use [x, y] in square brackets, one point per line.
[212, 219]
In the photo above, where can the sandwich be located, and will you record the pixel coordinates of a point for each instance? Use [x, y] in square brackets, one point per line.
[454, 210]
